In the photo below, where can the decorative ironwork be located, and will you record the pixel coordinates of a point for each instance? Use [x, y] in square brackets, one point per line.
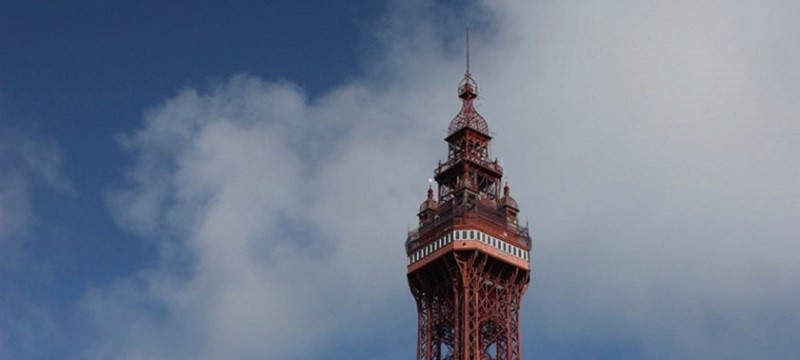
[469, 259]
[468, 117]
[468, 307]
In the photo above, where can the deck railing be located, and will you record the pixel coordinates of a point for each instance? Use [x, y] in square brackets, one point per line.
[486, 211]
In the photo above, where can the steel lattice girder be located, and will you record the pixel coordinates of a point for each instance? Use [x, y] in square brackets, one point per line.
[468, 305]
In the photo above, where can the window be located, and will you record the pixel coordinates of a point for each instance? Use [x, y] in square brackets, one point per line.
[456, 235]
[471, 234]
[464, 234]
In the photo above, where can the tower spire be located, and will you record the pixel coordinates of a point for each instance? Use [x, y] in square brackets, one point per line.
[467, 74]
[468, 91]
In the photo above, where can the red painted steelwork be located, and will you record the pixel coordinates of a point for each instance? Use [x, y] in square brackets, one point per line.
[468, 292]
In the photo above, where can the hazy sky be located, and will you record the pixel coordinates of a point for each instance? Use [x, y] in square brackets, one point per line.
[236, 181]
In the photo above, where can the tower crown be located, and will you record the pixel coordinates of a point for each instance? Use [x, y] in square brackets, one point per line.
[468, 117]
[468, 166]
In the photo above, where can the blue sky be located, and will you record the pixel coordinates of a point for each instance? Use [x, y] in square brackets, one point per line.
[77, 75]
[198, 180]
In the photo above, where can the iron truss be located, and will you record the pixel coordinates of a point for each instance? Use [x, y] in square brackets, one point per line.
[468, 307]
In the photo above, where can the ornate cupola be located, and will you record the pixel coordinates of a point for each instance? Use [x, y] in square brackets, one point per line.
[468, 175]
[427, 209]
[509, 207]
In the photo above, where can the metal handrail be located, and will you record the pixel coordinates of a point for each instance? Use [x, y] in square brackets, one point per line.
[446, 212]
[492, 165]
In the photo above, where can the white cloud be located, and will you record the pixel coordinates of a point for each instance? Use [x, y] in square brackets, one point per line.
[663, 175]
[272, 212]
[652, 147]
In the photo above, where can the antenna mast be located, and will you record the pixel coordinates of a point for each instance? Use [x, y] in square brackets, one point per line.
[467, 50]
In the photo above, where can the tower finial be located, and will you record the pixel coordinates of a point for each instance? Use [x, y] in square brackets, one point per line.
[467, 89]
[467, 50]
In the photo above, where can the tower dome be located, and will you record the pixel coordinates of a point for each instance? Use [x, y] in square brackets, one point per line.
[507, 200]
[429, 203]
[468, 117]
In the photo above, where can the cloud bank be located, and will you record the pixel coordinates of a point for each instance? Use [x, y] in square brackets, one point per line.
[652, 147]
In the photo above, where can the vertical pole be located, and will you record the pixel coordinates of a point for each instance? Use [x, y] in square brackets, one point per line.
[467, 50]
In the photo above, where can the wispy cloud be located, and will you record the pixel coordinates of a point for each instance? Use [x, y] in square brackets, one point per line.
[26, 163]
[29, 165]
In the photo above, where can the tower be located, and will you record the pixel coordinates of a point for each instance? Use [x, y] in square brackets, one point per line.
[469, 259]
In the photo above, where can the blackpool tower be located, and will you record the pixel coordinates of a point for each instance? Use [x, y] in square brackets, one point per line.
[469, 259]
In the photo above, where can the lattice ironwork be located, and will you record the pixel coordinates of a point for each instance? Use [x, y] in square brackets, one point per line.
[468, 307]
[468, 116]
[468, 288]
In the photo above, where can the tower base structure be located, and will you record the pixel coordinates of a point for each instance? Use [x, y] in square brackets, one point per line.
[468, 307]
